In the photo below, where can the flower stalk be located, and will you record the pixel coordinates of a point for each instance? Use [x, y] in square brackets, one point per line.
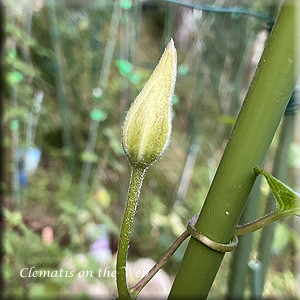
[145, 136]
[137, 176]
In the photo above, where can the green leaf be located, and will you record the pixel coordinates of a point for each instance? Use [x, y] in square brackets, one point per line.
[288, 201]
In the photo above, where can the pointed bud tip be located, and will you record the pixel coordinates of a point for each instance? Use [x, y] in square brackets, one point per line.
[171, 43]
[171, 46]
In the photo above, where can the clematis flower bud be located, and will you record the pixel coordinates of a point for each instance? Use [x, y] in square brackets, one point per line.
[147, 126]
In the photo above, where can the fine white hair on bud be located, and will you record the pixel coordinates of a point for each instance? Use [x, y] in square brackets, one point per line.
[147, 126]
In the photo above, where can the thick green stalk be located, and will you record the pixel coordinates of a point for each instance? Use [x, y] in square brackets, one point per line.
[137, 176]
[252, 134]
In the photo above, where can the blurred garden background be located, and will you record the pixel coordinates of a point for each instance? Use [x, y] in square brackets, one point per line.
[72, 69]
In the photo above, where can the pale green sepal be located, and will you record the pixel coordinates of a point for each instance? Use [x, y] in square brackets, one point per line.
[147, 126]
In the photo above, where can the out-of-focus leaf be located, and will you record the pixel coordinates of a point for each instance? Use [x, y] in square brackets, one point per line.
[135, 78]
[125, 67]
[175, 99]
[183, 70]
[14, 125]
[15, 77]
[19, 113]
[12, 53]
[88, 156]
[68, 207]
[98, 115]
[103, 197]
[126, 4]
[114, 141]
[281, 238]
[294, 157]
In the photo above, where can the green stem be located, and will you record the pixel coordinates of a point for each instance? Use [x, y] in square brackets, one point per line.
[268, 95]
[137, 176]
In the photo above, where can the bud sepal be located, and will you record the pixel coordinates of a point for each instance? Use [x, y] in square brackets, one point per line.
[147, 126]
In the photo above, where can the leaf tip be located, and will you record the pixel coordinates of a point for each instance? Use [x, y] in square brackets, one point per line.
[257, 171]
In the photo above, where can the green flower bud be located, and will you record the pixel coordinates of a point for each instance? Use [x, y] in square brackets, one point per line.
[147, 126]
